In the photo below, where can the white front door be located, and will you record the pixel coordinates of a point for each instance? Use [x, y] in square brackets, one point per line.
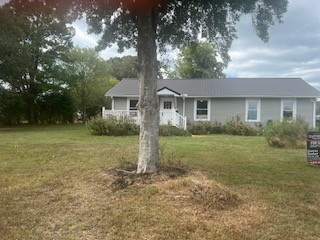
[166, 106]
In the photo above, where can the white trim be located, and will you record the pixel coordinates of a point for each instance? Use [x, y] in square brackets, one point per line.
[166, 92]
[208, 109]
[258, 109]
[294, 114]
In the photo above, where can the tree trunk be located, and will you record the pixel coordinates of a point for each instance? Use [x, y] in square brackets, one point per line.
[30, 107]
[148, 100]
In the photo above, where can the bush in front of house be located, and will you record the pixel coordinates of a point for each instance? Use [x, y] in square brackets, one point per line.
[236, 126]
[97, 126]
[124, 126]
[232, 127]
[113, 126]
[205, 128]
[169, 130]
[200, 128]
[290, 134]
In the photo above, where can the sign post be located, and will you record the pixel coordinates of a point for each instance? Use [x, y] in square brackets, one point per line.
[313, 148]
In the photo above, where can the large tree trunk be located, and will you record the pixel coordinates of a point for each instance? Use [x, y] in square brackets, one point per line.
[148, 100]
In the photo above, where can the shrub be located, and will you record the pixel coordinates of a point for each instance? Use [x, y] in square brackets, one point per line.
[113, 126]
[238, 127]
[169, 130]
[216, 128]
[200, 128]
[232, 127]
[97, 126]
[287, 133]
[205, 128]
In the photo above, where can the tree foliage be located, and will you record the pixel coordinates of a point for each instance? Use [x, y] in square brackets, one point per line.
[90, 81]
[180, 22]
[124, 67]
[33, 44]
[199, 60]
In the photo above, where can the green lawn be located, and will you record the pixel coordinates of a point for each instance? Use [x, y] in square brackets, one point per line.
[54, 185]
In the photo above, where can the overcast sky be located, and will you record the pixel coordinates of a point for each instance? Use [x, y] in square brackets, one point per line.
[293, 49]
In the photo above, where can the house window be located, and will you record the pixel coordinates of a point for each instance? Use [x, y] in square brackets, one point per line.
[167, 104]
[288, 109]
[202, 107]
[133, 105]
[133, 109]
[253, 110]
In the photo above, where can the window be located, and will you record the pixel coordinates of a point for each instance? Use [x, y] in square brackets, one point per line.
[133, 105]
[288, 109]
[133, 110]
[167, 104]
[202, 108]
[253, 110]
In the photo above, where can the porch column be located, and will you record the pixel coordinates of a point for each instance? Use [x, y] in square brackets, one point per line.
[103, 112]
[184, 104]
[175, 103]
[112, 103]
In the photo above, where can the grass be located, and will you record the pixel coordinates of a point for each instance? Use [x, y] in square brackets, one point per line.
[54, 185]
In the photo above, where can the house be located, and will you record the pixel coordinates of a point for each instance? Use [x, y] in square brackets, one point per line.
[254, 100]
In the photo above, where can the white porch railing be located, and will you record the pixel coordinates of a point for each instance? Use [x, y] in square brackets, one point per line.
[166, 116]
[179, 120]
[132, 114]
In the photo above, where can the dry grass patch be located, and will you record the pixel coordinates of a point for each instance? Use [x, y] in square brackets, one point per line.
[181, 204]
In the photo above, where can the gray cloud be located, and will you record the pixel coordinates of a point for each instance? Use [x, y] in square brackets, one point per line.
[293, 49]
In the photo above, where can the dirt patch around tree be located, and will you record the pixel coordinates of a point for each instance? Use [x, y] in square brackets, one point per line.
[175, 184]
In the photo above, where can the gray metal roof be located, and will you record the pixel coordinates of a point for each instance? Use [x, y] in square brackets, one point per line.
[224, 87]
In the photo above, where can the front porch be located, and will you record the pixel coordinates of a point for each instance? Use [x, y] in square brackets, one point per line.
[167, 116]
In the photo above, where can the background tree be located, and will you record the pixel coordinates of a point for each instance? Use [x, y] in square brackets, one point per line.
[199, 60]
[90, 81]
[142, 24]
[33, 43]
[11, 107]
[124, 67]
[56, 107]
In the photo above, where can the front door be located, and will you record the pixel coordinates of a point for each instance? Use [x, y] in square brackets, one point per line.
[166, 106]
